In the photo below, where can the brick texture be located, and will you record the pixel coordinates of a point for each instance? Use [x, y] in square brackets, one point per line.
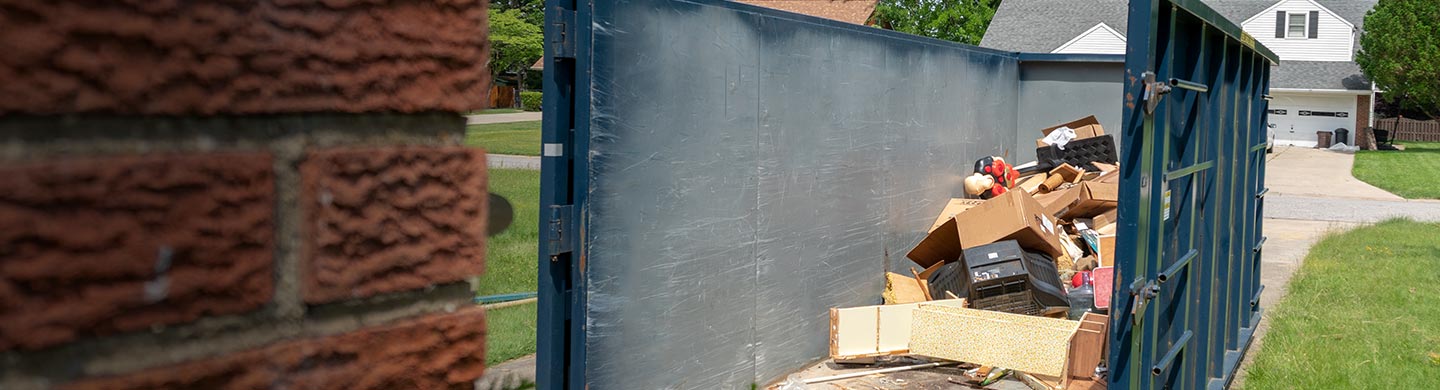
[105, 245]
[390, 219]
[444, 351]
[1362, 120]
[242, 57]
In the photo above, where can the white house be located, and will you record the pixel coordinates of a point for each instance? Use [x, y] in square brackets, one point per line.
[1317, 86]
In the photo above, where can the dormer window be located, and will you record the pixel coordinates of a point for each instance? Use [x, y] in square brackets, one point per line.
[1296, 27]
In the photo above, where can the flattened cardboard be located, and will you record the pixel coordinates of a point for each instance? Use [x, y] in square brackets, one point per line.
[1014, 215]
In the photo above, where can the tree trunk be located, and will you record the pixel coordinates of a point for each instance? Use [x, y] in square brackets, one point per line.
[520, 87]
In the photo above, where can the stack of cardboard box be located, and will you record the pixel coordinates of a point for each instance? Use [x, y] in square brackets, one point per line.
[1066, 214]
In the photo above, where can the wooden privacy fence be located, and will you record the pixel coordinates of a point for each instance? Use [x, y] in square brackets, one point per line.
[502, 96]
[1410, 129]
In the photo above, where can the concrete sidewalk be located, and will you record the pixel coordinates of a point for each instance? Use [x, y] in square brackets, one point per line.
[501, 118]
[511, 161]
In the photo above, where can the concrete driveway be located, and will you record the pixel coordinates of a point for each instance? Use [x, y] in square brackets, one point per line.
[1307, 172]
[1316, 185]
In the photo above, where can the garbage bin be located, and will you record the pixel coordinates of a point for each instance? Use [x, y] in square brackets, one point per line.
[1342, 136]
[1322, 139]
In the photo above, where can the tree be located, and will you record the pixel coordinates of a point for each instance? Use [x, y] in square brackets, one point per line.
[532, 11]
[514, 45]
[1400, 53]
[961, 21]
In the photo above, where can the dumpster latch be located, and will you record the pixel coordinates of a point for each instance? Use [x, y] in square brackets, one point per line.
[1154, 91]
[558, 239]
[560, 34]
[1142, 296]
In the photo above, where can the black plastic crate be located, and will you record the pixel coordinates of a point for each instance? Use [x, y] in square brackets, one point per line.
[1079, 153]
[1004, 268]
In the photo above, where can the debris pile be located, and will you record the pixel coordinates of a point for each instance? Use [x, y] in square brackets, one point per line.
[1012, 284]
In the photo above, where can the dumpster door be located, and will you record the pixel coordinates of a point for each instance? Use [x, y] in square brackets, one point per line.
[1185, 301]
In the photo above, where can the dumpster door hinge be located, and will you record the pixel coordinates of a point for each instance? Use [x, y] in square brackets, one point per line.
[1154, 91]
[560, 34]
[558, 239]
[1142, 293]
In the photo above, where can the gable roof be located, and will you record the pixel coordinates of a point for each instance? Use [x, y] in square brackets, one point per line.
[1100, 34]
[849, 11]
[1040, 26]
[1044, 25]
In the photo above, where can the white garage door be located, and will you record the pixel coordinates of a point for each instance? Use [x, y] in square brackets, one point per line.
[1296, 118]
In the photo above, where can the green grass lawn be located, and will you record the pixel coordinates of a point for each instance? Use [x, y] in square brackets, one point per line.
[522, 138]
[512, 333]
[1363, 312]
[1413, 173]
[510, 266]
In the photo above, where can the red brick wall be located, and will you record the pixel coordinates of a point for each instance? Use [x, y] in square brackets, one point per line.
[98, 246]
[242, 57]
[390, 219]
[241, 194]
[432, 352]
[1362, 120]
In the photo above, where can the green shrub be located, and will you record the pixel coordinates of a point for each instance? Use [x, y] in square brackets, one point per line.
[530, 100]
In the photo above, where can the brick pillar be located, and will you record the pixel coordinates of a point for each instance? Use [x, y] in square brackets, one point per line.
[239, 195]
[1362, 121]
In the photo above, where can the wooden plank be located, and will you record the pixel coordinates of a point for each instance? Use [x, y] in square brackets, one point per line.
[1088, 347]
[1036, 345]
[900, 289]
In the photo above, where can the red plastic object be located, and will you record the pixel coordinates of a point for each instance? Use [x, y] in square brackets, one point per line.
[1103, 279]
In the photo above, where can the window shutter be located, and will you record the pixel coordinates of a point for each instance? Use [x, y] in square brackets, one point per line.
[1279, 24]
[1314, 24]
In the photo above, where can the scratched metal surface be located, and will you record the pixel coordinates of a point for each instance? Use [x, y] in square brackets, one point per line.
[749, 169]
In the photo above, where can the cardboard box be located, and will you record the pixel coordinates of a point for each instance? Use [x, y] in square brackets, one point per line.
[955, 206]
[1014, 215]
[1088, 199]
[1086, 127]
[943, 242]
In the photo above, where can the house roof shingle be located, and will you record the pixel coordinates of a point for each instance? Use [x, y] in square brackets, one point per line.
[849, 11]
[1318, 75]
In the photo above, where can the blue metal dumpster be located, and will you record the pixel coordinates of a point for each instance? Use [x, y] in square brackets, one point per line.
[716, 176]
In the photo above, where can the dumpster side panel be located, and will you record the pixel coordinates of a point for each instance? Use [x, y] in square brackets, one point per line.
[1055, 92]
[749, 169]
